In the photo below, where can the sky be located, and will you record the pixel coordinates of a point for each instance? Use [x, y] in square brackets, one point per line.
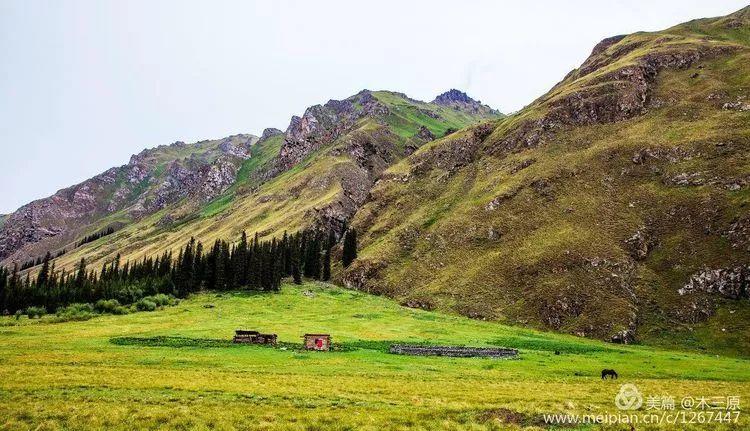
[85, 84]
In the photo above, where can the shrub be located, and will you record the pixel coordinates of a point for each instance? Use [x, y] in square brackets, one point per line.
[75, 312]
[127, 293]
[145, 304]
[76, 308]
[162, 300]
[111, 306]
[35, 312]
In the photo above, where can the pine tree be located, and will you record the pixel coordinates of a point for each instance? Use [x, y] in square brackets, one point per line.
[226, 263]
[43, 277]
[239, 261]
[286, 256]
[13, 296]
[80, 281]
[312, 262]
[200, 268]
[350, 247]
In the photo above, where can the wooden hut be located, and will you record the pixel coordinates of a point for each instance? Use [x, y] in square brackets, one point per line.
[320, 342]
[253, 337]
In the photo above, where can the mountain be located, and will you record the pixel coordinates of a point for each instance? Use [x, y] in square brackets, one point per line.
[317, 172]
[614, 206]
[152, 180]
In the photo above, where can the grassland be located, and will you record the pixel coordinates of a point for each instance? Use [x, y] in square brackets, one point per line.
[90, 375]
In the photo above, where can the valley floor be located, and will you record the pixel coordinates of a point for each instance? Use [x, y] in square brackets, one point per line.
[90, 375]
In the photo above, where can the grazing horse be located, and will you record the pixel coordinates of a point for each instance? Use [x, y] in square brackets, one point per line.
[611, 373]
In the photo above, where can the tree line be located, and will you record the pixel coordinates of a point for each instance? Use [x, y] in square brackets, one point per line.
[249, 264]
[96, 235]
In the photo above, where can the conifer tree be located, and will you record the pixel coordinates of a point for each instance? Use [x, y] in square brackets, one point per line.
[349, 252]
[312, 262]
[200, 268]
[43, 277]
[239, 261]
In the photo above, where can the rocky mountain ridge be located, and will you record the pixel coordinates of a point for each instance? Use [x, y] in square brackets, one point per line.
[152, 179]
[181, 178]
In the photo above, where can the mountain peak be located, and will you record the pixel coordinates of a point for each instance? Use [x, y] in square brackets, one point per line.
[454, 96]
[459, 100]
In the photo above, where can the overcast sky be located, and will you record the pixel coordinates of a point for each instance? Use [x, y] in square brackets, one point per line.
[85, 84]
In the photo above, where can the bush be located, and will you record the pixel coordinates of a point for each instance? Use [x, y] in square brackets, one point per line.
[35, 312]
[75, 312]
[111, 306]
[145, 304]
[127, 293]
[162, 300]
[76, 308]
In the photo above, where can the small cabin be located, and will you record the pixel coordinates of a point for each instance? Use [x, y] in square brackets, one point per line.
[253, 337]
[320, 342]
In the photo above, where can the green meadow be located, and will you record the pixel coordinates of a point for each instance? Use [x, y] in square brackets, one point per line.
[175, 368]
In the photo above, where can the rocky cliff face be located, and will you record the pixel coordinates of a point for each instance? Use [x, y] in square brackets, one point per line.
[322, 124]
[459, 101]
[150, 181]
[362, 128]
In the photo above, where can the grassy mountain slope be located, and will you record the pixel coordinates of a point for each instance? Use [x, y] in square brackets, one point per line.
[125, 372]
[326, 186]
[152, 180]
[587, 211]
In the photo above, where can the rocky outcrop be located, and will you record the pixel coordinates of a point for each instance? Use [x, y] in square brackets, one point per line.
[453, 153]
[362, 275]
[608, 97]
[372, 153]
[459, 101]
[322, 124]
[425, 134]
[201, 181]
[234, 147]
[269, 132]
[739, 233]
[640, 244]
[731, 283]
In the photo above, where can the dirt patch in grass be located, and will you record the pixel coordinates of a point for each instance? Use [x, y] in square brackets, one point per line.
[508, 416]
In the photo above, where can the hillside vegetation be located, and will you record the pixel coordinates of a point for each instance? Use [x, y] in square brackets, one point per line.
[176, 368]
[590, 209]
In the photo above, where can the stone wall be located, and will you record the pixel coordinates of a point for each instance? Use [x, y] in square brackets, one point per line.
[460, 352]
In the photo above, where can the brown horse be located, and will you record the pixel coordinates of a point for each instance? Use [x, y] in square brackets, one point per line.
[611, 373]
